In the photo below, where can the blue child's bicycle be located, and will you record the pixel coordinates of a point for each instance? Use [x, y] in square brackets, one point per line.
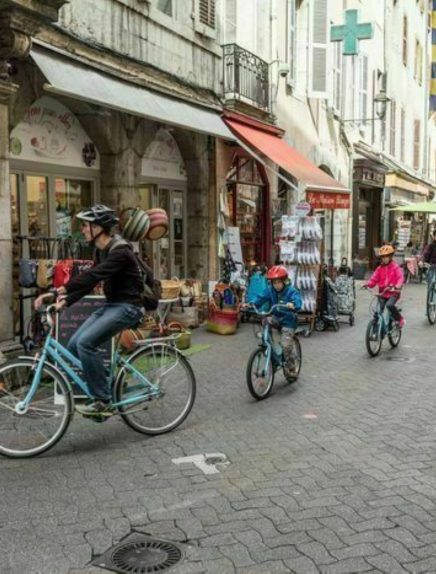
[381, 325]
[269, 357]
[153, 392]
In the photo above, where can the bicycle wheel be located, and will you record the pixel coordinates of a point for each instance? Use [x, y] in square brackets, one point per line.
[394, 335]
[260, 379]
[373, 339]
[172, 375]
[291, 374]
[431, 305]
[47, 417]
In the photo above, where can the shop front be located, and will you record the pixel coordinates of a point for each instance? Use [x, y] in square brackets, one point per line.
[248, 206]
[368, 184]
[54, 173]
[401, 225]
[333, 209]
[164, 184]
[299, 179]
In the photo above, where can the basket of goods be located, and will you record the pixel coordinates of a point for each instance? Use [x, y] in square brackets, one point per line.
[182, 335]
[158, 224]
[170, 288]
[134, 224]
[223, 316]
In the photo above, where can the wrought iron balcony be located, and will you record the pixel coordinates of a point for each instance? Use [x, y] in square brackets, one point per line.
[246, 77]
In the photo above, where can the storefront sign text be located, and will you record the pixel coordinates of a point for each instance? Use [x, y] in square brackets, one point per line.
[320, 200]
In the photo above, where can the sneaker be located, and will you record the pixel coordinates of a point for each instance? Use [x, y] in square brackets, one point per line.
[96, 409]
[402, 322]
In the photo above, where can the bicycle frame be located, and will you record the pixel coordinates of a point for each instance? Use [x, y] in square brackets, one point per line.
[384, 318]
[67, 361]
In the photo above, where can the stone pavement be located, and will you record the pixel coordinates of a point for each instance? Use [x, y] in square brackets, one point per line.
[334, 474]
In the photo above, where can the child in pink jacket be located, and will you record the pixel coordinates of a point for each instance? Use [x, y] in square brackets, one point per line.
[389, 277]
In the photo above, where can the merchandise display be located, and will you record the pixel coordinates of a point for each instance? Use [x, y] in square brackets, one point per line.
[299, 244]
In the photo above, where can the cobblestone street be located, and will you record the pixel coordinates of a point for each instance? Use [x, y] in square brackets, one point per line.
[335, 474]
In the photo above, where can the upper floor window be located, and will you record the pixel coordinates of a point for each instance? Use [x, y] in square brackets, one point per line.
[418, 62]
[291, 41]
[165, 6]
[405, 40]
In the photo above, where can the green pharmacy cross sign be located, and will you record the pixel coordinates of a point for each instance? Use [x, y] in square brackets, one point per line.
[351, 32]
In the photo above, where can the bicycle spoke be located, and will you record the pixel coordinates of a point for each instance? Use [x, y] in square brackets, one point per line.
[44, 420]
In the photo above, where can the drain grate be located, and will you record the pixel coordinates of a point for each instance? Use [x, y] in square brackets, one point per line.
[140, 554]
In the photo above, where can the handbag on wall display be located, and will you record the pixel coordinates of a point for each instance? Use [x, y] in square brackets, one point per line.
[28, 270]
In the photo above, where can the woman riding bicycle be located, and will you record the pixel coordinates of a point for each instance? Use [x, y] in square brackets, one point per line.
[117, 267]
[390, 278]
[281, 292]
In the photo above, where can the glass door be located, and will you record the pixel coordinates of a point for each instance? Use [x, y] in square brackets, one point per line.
[170, 253]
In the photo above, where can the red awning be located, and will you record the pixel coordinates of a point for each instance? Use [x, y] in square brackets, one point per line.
[286, 157]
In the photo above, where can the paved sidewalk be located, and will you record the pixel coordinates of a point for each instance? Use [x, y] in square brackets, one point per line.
[334, 474]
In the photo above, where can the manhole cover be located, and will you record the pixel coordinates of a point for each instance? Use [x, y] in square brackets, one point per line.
[139, 554]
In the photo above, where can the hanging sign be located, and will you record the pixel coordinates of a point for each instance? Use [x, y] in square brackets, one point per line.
[302, 209]
[320, 200]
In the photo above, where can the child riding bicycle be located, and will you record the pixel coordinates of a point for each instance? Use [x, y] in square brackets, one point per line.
[281, 292]
[389, 278]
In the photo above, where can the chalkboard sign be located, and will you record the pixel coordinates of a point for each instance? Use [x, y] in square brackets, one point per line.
[73, 317]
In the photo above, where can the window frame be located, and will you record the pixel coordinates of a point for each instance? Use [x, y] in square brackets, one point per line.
[393, 129]
[417, 144]
[405, 46]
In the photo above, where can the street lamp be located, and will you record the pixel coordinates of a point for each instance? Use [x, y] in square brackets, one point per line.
[380, 104]
[381, 100]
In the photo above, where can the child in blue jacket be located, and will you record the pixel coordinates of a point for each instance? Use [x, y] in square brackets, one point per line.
[280, 291]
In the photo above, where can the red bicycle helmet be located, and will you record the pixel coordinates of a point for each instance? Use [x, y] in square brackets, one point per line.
[277, 272]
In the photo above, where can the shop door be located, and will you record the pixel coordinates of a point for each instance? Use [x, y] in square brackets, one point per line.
[170, 253]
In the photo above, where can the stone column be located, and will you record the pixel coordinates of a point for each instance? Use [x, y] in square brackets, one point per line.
[7, 91]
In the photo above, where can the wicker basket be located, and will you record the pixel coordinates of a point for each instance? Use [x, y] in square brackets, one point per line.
[170, 288]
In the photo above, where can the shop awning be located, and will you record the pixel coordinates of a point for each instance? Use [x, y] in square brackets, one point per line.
[288, 158]
[422, 207]
[69, 78]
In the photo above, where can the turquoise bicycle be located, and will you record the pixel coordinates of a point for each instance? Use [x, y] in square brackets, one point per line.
[269, 358]
[381, 325]
[153, 392]
[431, 293]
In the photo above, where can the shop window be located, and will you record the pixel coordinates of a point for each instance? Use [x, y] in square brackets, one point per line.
[71, 195]
[37, 206]
[165, 6]
[248, 207]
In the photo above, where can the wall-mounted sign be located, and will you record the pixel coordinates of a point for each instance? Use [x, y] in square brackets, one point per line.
[50, 134]
[163, 159]
[303, 208]
[327, 200]
[369, 176]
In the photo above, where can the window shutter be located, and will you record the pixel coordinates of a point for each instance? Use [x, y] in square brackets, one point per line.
[363, 88]
[318, 49]
[205, 17]
[416, 145]
[292, 43]
[403, 136]
[405, 32]
[392, 147]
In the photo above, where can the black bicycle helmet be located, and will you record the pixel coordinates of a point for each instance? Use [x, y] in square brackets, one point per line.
[99, 214]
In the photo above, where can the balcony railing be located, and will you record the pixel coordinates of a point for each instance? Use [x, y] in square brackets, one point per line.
[246, 77]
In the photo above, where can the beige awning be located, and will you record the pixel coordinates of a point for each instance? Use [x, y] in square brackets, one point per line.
[67, 77]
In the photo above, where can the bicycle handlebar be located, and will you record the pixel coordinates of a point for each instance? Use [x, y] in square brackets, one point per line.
[268, 313]
[390, 289]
